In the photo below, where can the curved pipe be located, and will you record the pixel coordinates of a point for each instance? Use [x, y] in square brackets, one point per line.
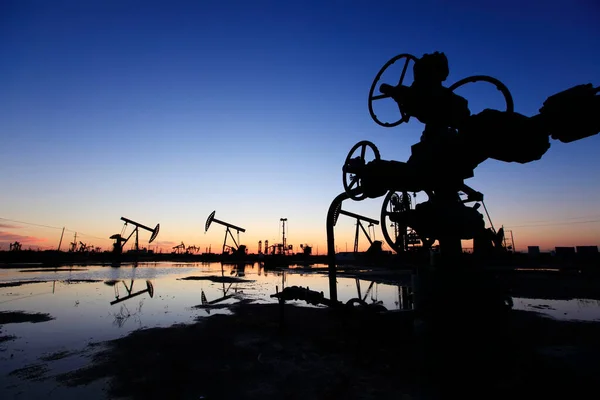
[331, 244]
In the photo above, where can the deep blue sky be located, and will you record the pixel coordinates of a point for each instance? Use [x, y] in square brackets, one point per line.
[166, 111]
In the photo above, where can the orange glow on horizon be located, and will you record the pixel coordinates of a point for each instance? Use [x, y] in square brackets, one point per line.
[48, 238]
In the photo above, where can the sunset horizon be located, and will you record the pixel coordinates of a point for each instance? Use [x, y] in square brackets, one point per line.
[163, 113]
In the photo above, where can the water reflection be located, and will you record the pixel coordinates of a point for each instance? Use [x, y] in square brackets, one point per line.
[229, 289]
[292, 285]
[121, 316]
[129, 289]
[237, 269]
[80, 297]
[124, 314]
[88, 305]
[573, 309]
[406, 300]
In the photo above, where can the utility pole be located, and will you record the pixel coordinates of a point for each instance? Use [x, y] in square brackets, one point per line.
[61, 238]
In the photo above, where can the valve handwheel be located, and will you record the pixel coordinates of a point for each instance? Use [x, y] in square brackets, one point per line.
[394, 205]
[403, 117]
[353, 167]
[510, 105]
[393, 214]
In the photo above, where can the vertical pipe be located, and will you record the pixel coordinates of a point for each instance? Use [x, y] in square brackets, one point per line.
[331, 245]
[356, 236]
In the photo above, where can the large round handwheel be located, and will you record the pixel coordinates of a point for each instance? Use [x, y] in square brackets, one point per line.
[510, 105]
[394, 205]
[354, 165]
[403, 117]
[399, 235]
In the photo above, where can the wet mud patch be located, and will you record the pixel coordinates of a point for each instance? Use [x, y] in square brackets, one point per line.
[59, 355]
[301, 360]
[541, 307]
[220, 306]
[13, 317]
[322, 353]
[54, 270]
[6, 338]
[67, 281]
[18, 283]
[33, 372]
[216, 279]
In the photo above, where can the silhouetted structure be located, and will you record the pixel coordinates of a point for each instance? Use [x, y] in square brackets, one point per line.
[179, 249]
[234, 250]
[454, 142]
[281, 249]
[120, 241]
[359, 225]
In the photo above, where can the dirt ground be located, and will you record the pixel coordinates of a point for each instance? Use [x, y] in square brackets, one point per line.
[326, 353]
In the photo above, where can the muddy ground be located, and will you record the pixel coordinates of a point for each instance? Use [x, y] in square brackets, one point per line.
[353, 353]
[216, 279]
[15, 317]
[317, 353]
[18, 283]
[25, 282]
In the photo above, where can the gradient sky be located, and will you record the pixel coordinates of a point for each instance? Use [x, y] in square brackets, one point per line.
[162, 112]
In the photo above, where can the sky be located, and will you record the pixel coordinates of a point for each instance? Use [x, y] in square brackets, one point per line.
[164, 111]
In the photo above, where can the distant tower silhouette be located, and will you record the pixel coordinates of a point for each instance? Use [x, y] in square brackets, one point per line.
[283, 243]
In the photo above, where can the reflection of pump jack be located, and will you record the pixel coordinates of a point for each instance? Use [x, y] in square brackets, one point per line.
[366, 293]
[376, 305]
[239, 270]
[149, 289]
[207, 304]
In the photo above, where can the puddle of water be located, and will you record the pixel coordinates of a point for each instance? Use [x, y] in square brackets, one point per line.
[99, 303]
[573, 309]
[118, 301]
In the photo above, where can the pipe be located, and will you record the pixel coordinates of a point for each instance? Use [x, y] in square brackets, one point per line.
[331, 245]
